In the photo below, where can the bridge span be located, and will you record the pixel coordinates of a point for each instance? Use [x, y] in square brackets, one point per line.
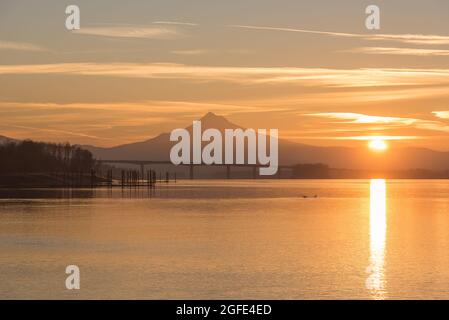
[143, 163]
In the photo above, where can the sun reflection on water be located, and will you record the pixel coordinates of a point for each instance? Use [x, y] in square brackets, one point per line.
[378, 227]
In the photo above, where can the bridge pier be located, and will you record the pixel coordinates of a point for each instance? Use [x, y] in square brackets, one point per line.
[228, 172]
[142, 171]
[191, 172]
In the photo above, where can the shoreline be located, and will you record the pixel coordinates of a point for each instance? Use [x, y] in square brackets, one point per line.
[144, 184]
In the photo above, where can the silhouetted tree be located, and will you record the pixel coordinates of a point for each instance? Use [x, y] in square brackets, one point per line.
[29, 156]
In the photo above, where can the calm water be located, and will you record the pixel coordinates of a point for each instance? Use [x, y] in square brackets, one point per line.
[230, 239]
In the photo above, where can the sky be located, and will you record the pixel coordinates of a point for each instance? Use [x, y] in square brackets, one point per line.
[308, 68]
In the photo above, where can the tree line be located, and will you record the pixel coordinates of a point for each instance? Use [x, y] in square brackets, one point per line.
[30, 156]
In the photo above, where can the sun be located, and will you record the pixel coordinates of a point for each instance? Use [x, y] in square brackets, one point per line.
[378, 145]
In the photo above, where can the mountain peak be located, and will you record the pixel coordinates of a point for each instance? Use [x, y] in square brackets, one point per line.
[211, 116]
[212, 120]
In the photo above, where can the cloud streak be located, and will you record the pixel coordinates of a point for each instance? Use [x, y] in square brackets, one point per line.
[192, 52]
[355, 138]
[65, 132]
[348, 117]
[21, 46]
[441, 114]
[358, 118]
[141, 32]
[404, 38]
[337, 78]
[176, 23]
[400, 51]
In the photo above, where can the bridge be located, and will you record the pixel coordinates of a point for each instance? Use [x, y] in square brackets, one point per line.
[143, 163]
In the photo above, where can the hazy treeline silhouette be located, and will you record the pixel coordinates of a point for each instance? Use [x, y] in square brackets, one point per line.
[29, 156]
[311, 171]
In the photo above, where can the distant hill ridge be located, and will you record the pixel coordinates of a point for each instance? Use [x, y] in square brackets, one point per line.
[4, 139]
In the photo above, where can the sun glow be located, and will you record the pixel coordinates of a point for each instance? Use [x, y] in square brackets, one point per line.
[378, 145]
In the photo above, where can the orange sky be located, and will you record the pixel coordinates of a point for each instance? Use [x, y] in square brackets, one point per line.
[309, 69]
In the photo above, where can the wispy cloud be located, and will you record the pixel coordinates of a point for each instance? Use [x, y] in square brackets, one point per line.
[348, 117]
[429, 39]
[143, 32]
[404, 38]
[209, 51]
[191, 52]
[368, 138]
[441, 114]
[327, 33]
[400, 51]
[20, 46]
[356, 138]
[57, 131]
[143, 109]
[358, 118]
[338, 78]
[177, 23]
